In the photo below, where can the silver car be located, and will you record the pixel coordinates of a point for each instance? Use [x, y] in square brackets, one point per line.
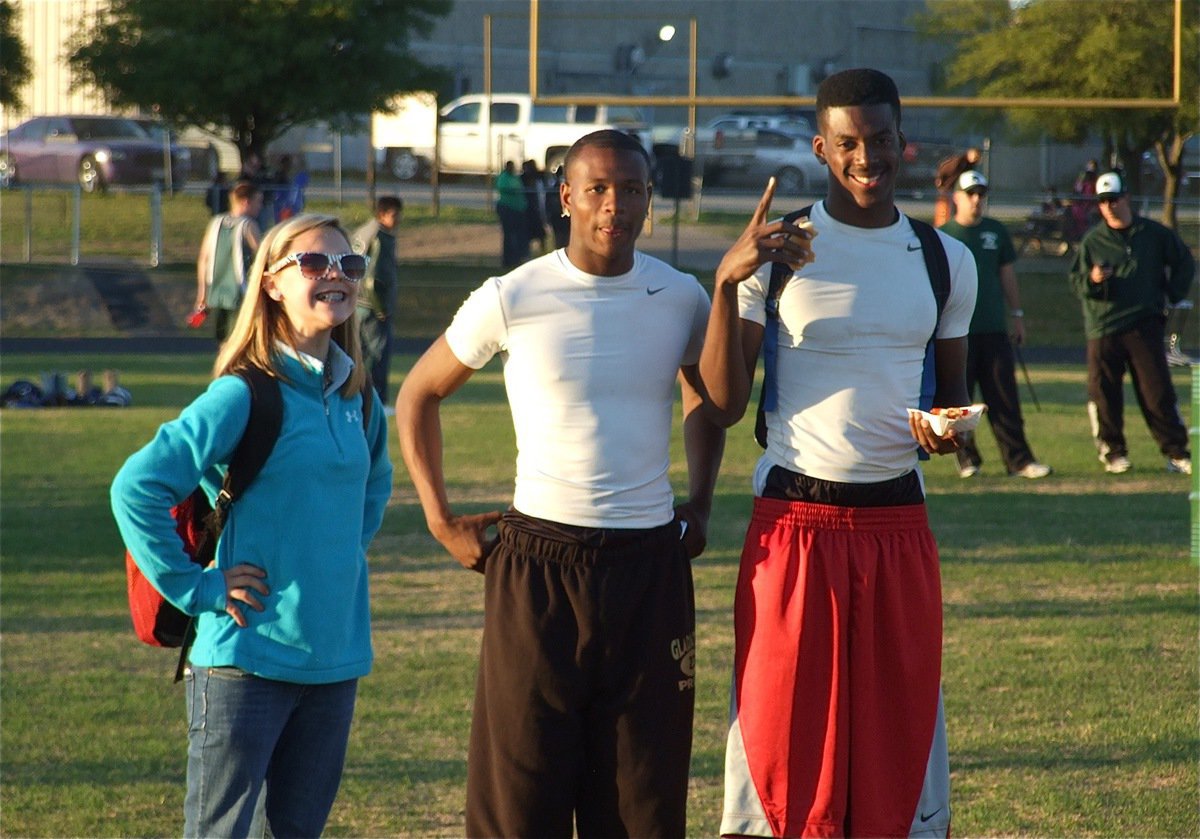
[93, 151]
[787, 155]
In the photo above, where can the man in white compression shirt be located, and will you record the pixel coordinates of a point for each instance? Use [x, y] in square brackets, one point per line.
[583, 706]
[836, 722]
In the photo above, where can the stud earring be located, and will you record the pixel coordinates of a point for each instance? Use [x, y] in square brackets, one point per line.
[566, 213]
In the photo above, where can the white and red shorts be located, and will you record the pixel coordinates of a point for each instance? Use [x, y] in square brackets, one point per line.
[836, 709]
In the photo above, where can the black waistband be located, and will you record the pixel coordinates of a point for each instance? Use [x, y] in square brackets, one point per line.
[787, 485]
[559, 542]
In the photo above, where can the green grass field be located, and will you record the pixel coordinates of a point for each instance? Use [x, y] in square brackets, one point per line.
[1070, 664]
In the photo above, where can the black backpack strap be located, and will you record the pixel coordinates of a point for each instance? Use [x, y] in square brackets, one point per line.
[767, 395]
[256, 445]
[258, 440]
[937, 263]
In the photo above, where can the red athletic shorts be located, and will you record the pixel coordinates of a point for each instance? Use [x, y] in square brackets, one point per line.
[838, 633]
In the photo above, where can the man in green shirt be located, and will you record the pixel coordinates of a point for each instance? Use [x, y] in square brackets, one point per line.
[989, 350]
[1126, 272]
[510, 206]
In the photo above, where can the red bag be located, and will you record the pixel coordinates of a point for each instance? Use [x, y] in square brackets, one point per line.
[155, 620]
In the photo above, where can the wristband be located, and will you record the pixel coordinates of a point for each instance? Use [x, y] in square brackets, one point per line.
[1017, 313]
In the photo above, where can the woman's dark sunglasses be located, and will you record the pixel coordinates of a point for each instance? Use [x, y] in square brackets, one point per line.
[314, 265]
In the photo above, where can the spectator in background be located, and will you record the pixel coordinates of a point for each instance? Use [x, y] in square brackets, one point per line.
[216, 197]
[510, 206]
[560, 222]
[1127, 270]
[229, 243]
[252, 170]
[535, 200]
[281, 190]
[1083, 208]
[377, 292]
[944, 179]
[989, 351]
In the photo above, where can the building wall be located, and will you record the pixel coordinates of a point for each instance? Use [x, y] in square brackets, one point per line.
[46, 27]
[581, 44]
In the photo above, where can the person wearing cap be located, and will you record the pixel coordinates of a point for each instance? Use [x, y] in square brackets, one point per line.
[998, 315]
[1127, 269]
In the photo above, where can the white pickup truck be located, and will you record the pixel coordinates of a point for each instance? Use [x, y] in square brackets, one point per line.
[519, 130]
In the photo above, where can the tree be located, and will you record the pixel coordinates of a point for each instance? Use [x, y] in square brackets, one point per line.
[1112, 49]
[14, 59]
[257, 67]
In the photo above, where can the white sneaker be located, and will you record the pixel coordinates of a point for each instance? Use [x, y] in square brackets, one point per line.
[1180, 465]
[1177, 358]
[1116, 465]
[1033, 470]
[968, 471]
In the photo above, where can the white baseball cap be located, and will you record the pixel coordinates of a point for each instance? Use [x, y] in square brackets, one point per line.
[1109, 185]
[970, 180]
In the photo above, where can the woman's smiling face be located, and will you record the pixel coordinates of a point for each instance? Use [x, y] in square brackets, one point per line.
[314, 307]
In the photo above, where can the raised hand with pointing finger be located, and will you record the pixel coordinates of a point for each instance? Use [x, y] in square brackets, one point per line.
[731, 344]
[766, 241]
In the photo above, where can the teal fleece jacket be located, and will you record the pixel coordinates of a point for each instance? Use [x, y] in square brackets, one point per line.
[1151, 266]
[307, 520]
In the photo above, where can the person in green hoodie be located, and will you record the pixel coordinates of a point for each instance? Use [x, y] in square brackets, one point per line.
[1128, 268]
[282, 620]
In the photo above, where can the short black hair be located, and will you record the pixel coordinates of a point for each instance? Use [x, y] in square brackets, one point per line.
[607, 138]
[384, 203]
[860, 86]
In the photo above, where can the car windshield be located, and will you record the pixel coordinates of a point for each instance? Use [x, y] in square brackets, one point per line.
[107, 129]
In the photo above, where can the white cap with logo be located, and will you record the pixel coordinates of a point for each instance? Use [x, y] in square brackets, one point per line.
[970, 180]
[1109, 185]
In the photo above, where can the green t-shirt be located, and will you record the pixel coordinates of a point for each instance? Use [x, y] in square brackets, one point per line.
[992, 247]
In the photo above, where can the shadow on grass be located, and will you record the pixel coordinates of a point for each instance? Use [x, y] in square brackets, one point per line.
[1059, 757]
[1177, 604]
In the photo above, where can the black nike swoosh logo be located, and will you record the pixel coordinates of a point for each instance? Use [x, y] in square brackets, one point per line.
[925, 818]
[655, 290]
[911, 248]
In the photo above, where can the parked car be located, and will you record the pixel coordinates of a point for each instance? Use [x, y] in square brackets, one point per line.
[786, 155]
[206, 157]
[519, 130]
[94, 151]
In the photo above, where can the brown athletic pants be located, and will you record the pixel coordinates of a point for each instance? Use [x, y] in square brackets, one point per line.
[583, 706]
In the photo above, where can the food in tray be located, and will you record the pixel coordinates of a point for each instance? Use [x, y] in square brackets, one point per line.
[942, 420]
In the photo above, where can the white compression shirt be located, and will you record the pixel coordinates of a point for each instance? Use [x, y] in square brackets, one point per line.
[589, 366]
[853, 328]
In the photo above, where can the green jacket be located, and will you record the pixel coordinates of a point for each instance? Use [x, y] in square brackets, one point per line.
[1151, 266]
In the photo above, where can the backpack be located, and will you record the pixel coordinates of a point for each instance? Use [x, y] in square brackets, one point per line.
[937, 264]
[156, 621]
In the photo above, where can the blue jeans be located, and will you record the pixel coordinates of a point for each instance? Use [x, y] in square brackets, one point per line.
[245, 732]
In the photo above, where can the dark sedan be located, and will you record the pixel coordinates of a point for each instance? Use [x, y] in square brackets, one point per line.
[94, 151]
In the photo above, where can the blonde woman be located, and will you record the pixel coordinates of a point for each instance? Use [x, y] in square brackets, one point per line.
[283, 630]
